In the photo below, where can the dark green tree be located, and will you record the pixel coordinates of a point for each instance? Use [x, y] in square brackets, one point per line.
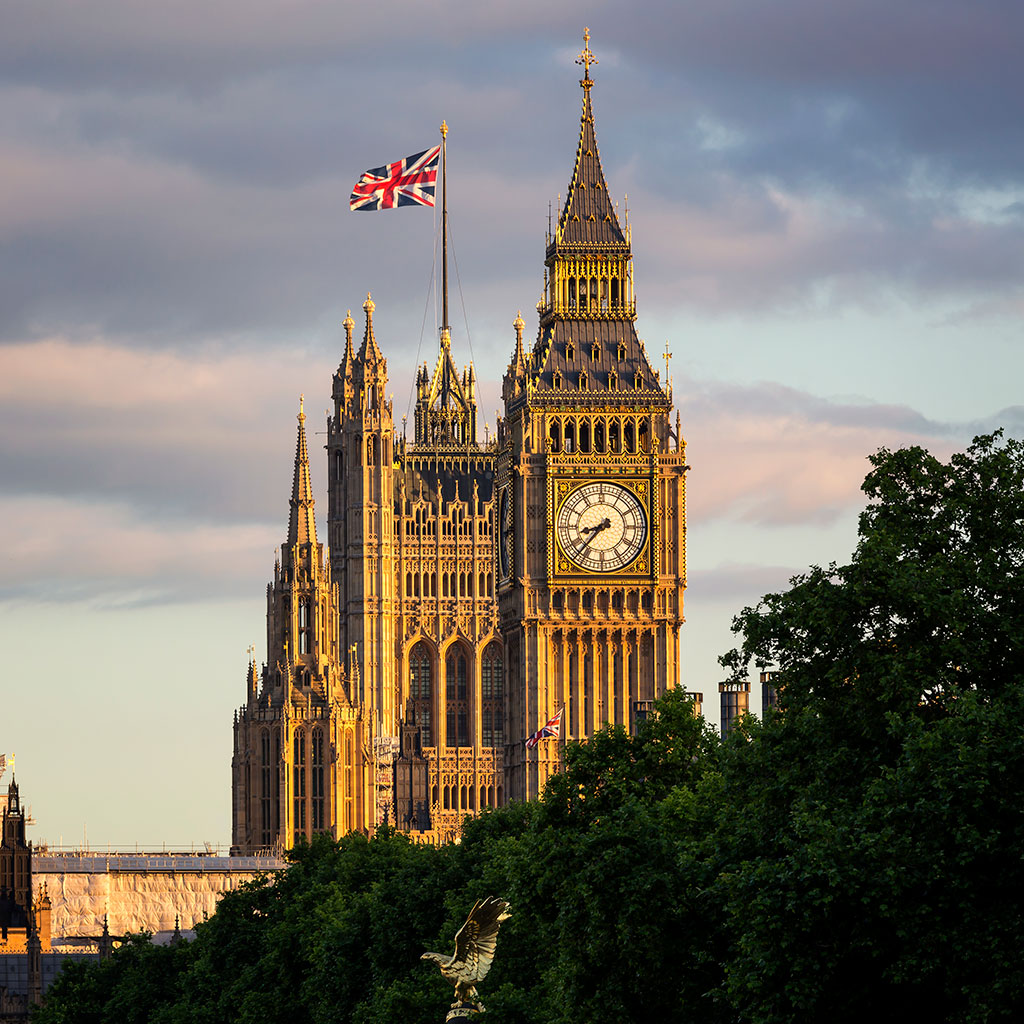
[873, 829]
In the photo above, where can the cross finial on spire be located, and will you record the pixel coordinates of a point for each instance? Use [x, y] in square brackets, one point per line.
[302, 415]
[586, 58]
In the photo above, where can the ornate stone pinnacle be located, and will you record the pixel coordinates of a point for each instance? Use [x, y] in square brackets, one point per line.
[586, 58]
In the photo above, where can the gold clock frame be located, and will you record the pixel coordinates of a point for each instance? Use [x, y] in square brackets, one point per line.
[561, 566]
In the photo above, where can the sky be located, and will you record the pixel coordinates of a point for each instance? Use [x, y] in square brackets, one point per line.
[827, 211]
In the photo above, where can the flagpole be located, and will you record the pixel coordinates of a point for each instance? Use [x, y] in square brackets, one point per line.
[445, 326]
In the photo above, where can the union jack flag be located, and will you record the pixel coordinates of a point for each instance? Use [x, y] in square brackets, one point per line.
[408, 182]
[552, 728]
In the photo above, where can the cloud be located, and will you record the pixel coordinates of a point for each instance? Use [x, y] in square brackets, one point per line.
[199, 437]
[773, 456]
[105, 555]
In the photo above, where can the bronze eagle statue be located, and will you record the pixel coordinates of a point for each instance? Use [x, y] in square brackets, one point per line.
[474, 949]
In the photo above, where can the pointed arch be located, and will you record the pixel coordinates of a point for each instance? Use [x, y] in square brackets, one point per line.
[458, 664]
[492, 695]
[421, 692]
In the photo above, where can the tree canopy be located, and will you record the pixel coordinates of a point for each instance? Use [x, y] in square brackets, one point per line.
[859, 852]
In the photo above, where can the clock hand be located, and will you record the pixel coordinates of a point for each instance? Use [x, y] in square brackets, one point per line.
[595, 530]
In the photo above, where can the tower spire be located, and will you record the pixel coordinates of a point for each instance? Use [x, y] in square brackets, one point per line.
[301, 521]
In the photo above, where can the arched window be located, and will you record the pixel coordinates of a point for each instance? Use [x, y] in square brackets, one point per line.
[299, 784]
[491, 696]
[305, 626]
[613, 438]
[266, 792]
[457, 696]
[584, 437]
[599, 437]
[421, 693]
[630, 443]
[570, 438]
[317, 764]
[556, 438]
[572, 292]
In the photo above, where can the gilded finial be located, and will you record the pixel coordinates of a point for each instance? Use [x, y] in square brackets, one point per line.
[586, 58]
[369, 306]
[444, 130]
[302, 415]
[518, 323]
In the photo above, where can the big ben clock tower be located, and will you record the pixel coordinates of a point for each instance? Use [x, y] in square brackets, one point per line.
[590, 511]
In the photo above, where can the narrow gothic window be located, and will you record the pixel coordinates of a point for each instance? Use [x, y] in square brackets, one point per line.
[456, 692]
[299, 784]
[305, 628]
[317, 761]
[421, 693]
[266, 777]
[492, 696]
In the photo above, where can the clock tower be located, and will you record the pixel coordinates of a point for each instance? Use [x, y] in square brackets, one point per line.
[590, 501]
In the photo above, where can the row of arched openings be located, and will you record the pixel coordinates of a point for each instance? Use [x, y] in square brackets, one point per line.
[464, 798]
[465, 584]
[600, 436]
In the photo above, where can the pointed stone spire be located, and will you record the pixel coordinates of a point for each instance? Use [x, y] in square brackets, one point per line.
[349, 324]
[369, 352]
[301, 522]
[588, 216]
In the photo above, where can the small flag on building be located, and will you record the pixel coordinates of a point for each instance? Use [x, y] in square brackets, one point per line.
[408, 182]
[552, 728]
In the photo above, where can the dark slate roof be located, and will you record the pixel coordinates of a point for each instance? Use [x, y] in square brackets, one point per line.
[580, 336]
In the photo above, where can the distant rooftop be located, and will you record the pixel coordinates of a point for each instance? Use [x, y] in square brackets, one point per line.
[93, 863]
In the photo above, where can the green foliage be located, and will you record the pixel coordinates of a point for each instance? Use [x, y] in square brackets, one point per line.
[857, 854]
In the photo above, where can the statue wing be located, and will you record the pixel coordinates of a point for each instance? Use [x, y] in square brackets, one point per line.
[477, 938]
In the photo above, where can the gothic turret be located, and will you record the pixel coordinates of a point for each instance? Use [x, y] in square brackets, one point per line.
[587, 340]
[284, 723]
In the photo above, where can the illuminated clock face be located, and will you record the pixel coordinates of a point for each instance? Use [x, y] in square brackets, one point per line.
[601, 526]
[504, 534]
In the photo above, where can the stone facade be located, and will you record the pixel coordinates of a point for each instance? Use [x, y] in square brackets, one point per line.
[471, 591]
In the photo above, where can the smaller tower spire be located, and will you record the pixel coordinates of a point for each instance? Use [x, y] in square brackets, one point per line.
[369, 352]
[301, 522]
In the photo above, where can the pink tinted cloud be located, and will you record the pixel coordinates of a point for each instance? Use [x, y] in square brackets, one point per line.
[105, 553]
[772, 456]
